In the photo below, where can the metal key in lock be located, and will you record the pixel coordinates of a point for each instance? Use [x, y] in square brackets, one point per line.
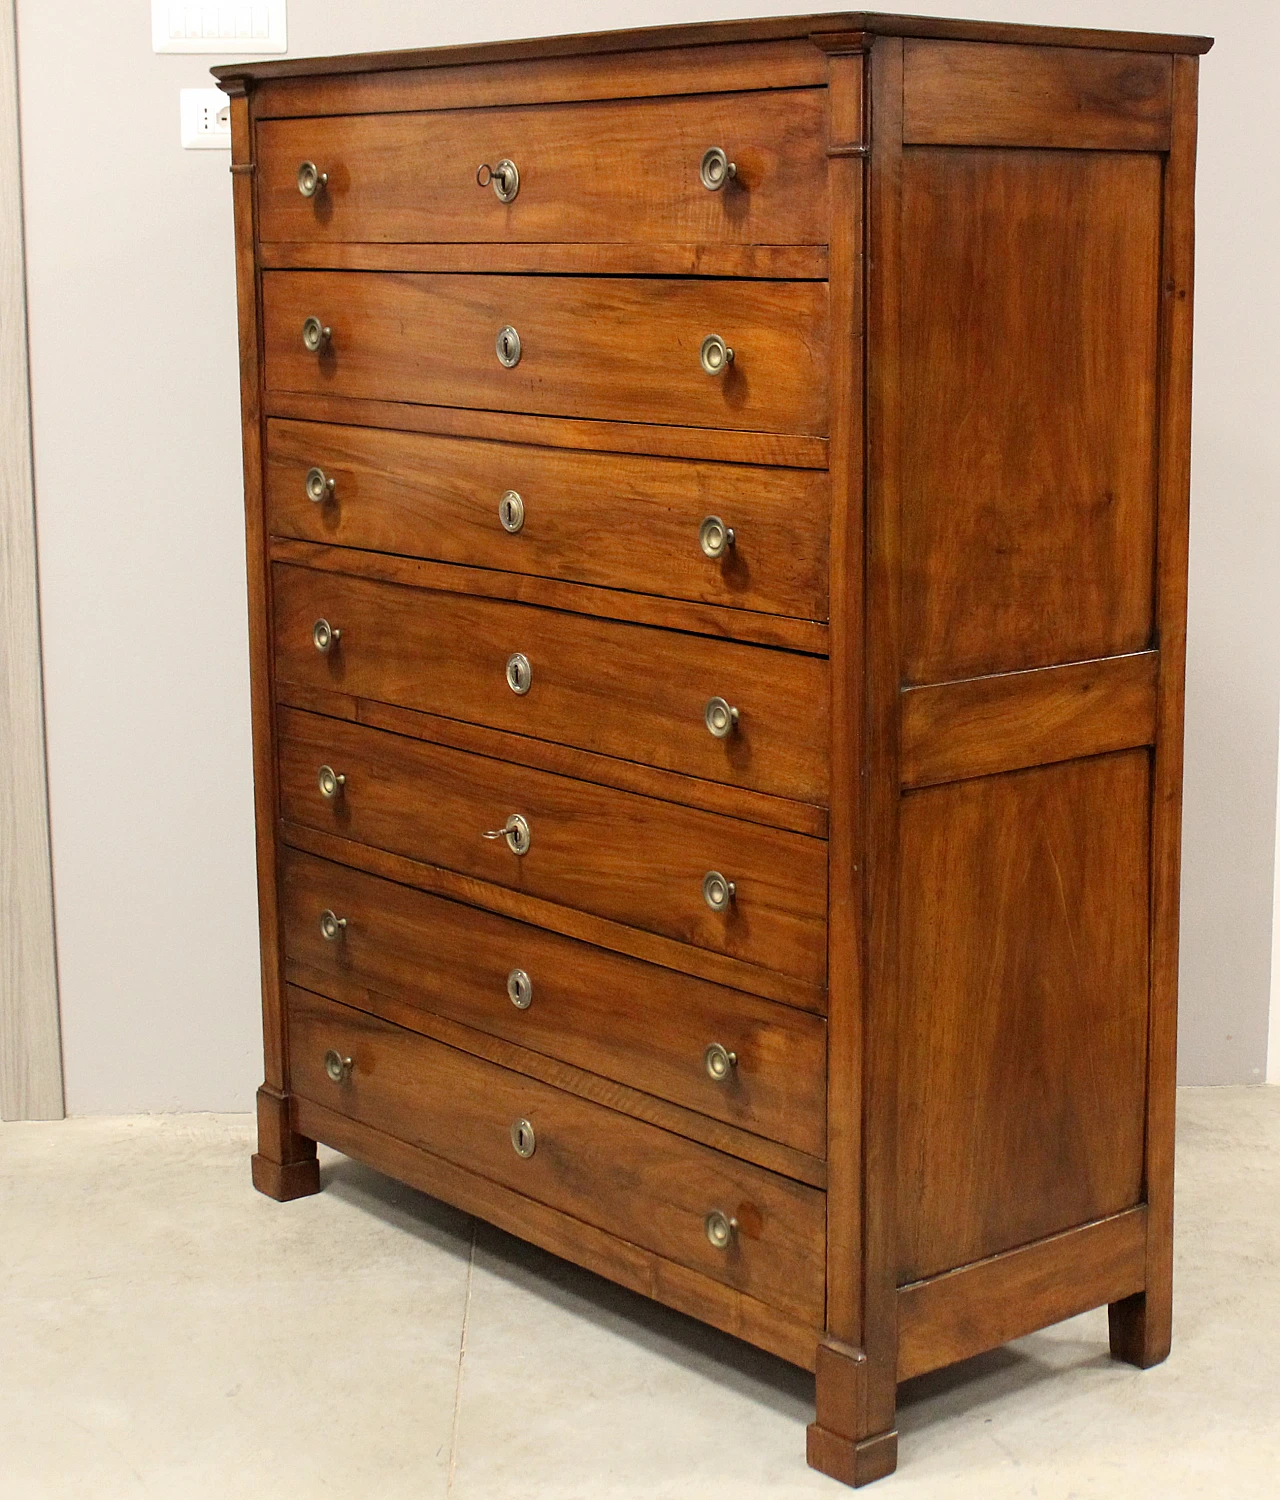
[517, 833]
[503, 177]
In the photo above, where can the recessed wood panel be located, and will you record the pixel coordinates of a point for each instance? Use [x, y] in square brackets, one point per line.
[1022, 1056]
[985, 94]
[1028, 385]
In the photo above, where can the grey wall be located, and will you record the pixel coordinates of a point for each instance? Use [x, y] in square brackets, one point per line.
[139, 512]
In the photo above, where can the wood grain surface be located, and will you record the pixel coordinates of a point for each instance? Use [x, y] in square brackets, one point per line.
[646, 1027]
[1142, 1326]
[766, 262]
[617, 348]
[983, 725]
[640, 1183]
[625, 690]
[980, 1306]
[608, 49]
[1023, 1054]
[563, 77]
[631, 859]
[616, 171]
[985, 94]
[788, 632]
[610, 520]
[702, 444]
[1029, 381]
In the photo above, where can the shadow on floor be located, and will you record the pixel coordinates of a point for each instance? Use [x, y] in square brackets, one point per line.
[996, 1375]
[717, 1356]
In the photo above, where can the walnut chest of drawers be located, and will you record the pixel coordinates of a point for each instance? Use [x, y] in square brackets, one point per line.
[717, 523]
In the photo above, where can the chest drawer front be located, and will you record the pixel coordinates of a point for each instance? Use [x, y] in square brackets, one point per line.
[612, 520]
[646, 1027]
[624, 1176]
[629, 691]
[631, 859]
[627, 349]
[600, 173]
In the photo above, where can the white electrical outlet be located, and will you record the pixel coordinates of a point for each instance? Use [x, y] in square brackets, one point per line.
[223, 26]
[206, 120]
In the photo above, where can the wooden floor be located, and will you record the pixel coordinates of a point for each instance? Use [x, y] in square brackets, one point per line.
[169, 1332]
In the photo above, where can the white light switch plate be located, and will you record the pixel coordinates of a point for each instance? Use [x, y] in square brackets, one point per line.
[206, 120]
[225, 26]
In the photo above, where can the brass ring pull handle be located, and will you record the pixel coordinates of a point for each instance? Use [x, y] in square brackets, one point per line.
[504, 178]
[311, 180]
[332, 926]
[714, 537]
[511, 512]
[715, 354]
[720, 717]
[520, 989]
[336, 1066]
[717, 892]
[523, 1138]
[716, 169]
[315, 335]
[519, 673]
[719, 1062]
[331, 783]
[516, 832]
[507, 345]
[324, 637]
[320, 486]
[720, 1229]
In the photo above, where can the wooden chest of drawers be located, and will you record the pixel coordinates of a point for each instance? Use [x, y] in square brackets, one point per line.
[717, 522]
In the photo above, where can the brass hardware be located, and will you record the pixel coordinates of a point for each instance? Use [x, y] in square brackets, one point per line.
[716, 169]
[503, 178]
[332, 926]
[523, 1138]
[508, 346]
[331, 783]
[519, 673]
[324, 637]
[336, 1066]
[511, 512]
[720, 1228]
[719, 1062]
[721, 718]
[516, 832]
[717, 892]
[520, 989]
[714, 537]
[311, 180]
[319, 486]
[716, 355]
[315, 335]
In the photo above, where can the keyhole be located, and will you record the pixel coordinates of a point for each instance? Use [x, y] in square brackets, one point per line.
[511, 511]
[523, 1139]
